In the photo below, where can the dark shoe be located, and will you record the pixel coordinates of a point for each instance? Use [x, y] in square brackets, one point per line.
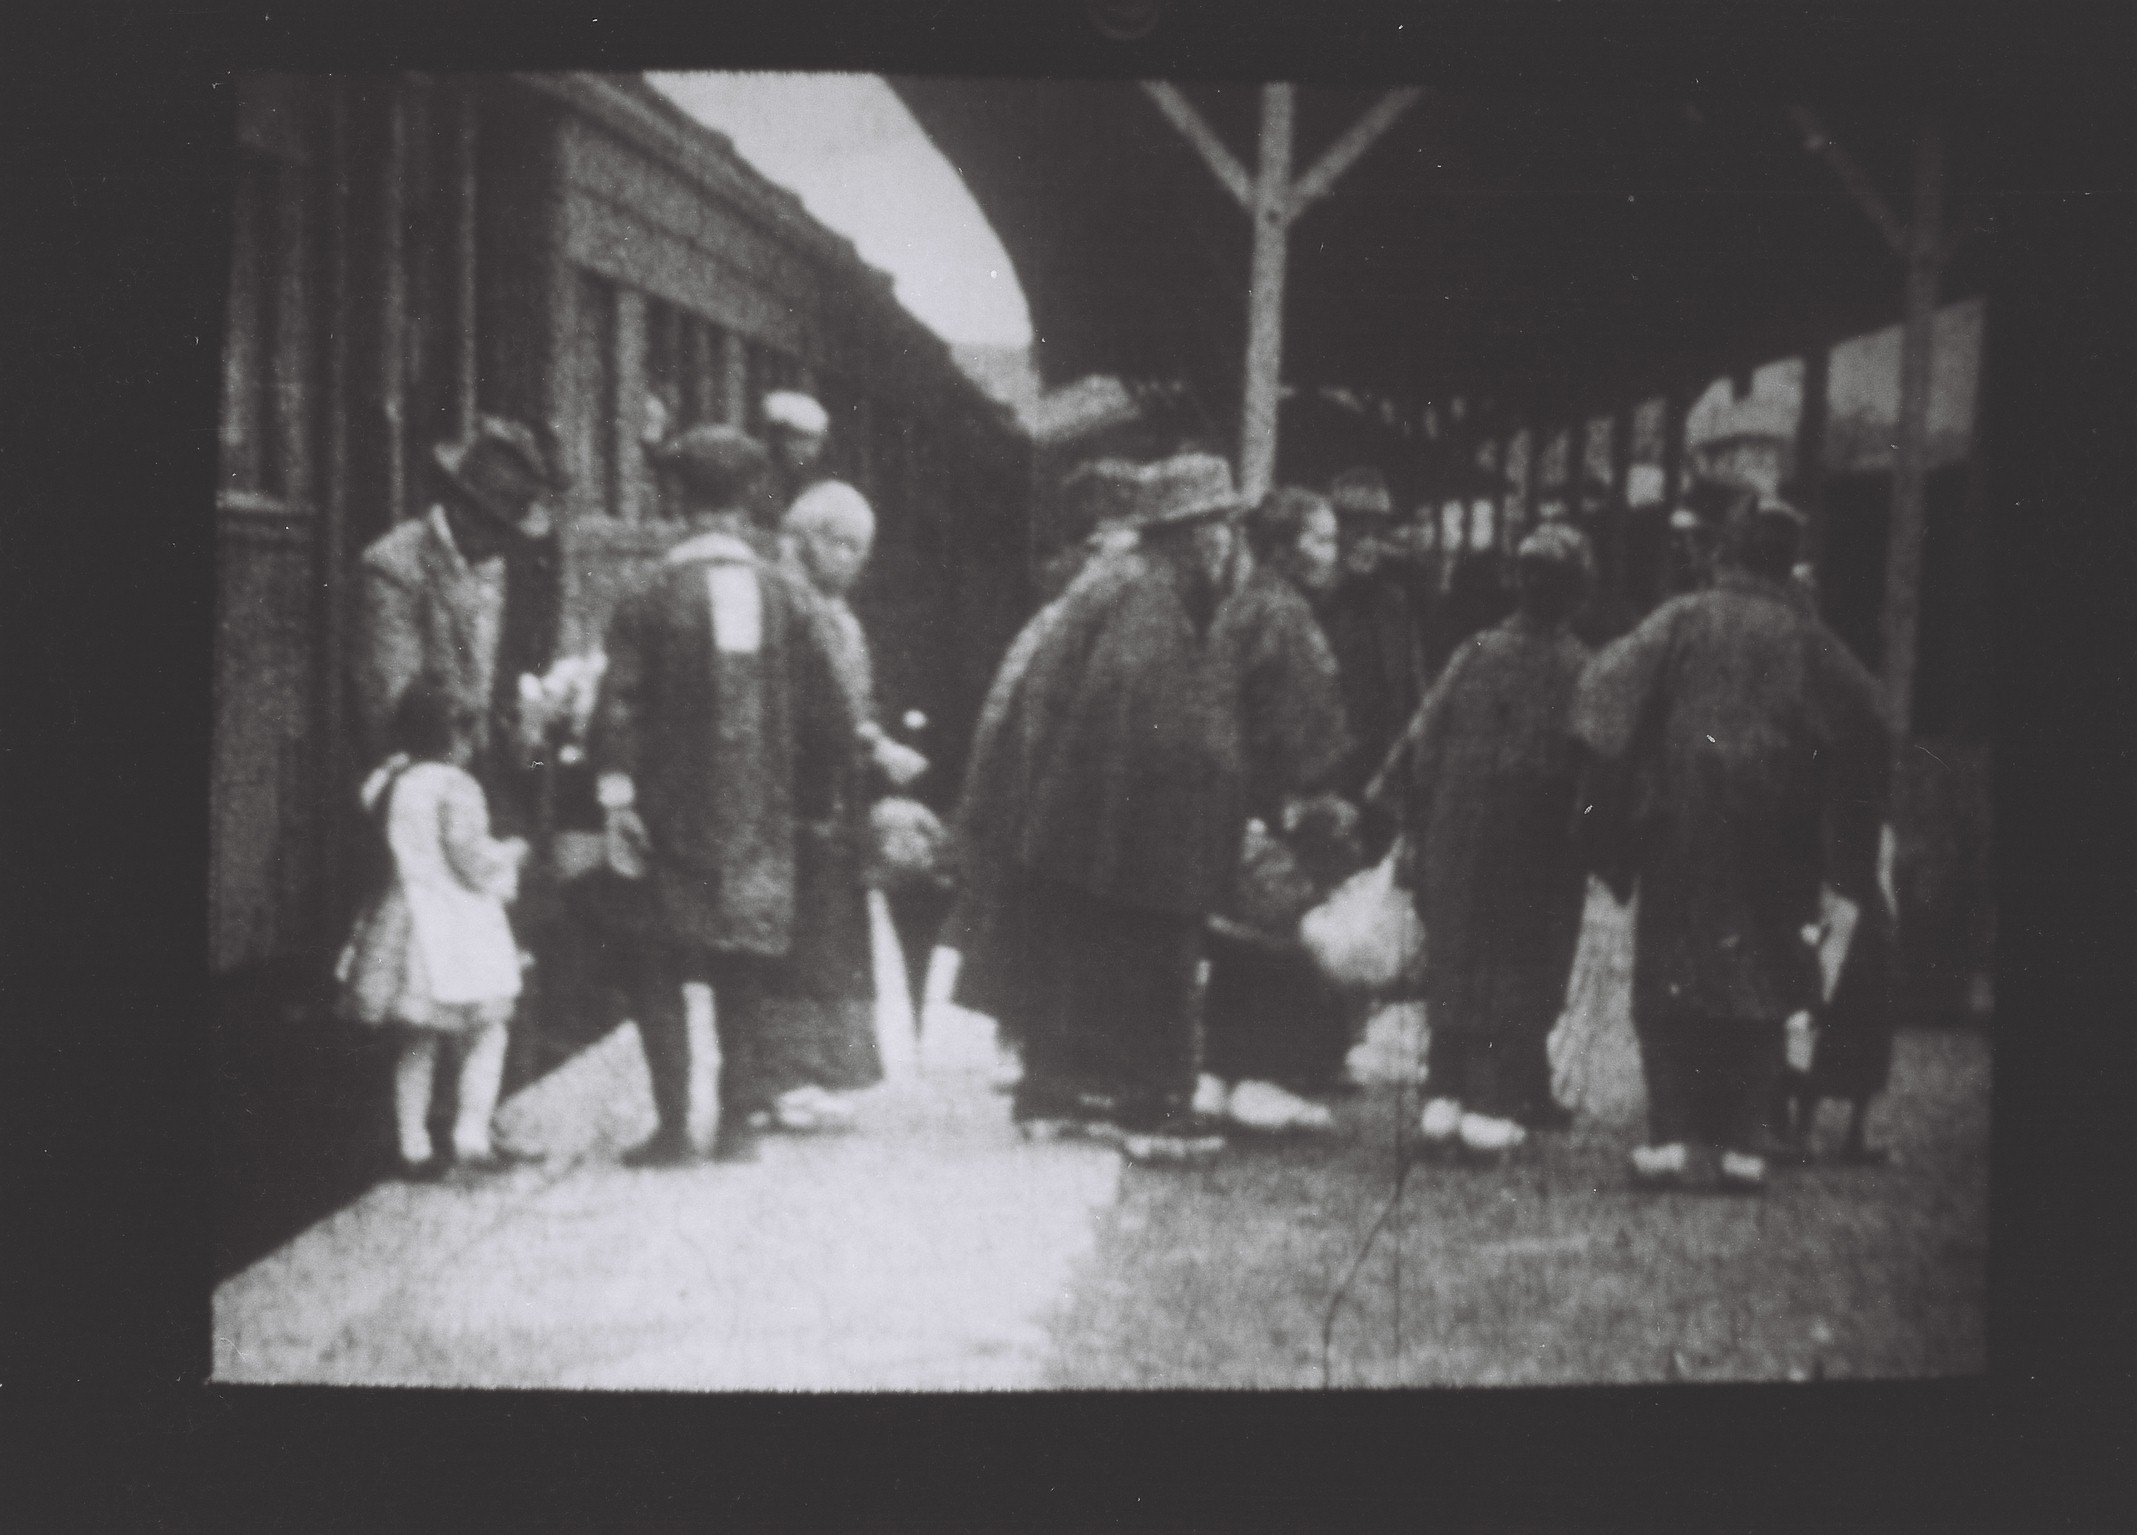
[429, 1170]
[1864, 1156]
[661, 1149]
[1548, 1117]
[734, 1144]
[499, 1159]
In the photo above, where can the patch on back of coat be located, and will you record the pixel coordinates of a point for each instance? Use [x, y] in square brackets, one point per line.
[737, 609]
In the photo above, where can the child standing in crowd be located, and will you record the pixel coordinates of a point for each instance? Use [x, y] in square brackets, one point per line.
[436, 957]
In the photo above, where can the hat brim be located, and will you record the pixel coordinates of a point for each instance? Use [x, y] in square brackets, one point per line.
[1199, 511]
[450, 456]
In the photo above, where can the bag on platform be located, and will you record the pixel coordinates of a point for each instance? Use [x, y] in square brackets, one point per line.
[1367, 936]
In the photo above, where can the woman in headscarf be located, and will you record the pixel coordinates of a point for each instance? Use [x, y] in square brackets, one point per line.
[823, 1038]
[1273, 1030]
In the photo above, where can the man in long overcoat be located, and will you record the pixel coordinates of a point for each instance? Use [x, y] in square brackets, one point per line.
[1120, 823]
[722, 724]
[1731, 731]
[1489, 791]
[998, 766]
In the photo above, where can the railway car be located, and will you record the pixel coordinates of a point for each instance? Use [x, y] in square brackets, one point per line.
[409, 251]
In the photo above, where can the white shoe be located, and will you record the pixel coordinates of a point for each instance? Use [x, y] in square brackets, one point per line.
[1658, 1166]
[1441, 1121]
[1484, 1133]
[1211, 1096]
[1266, 1107]
[1740, 1170]
[1176, 1149]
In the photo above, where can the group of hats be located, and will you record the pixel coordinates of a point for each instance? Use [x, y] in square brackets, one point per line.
[1173, 492]
[505, 470]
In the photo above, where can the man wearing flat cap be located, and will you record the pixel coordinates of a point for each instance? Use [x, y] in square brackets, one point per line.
[1487, 785]
[1111, 791]
[1739, 764]
[796, 430]
[467, 596]
[722, 724]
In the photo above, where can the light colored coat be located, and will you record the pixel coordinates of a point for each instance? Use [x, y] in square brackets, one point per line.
[425, 611]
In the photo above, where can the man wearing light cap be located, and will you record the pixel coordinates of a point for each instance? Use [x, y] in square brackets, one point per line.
[1743, 754]
[796, 428]
[1487, 787]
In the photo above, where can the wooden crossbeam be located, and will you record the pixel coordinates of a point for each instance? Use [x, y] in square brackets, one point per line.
[1181, 113]
[1344, 153]
[1853, 177]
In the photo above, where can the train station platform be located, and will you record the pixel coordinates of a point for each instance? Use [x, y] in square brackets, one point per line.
[923, 1250]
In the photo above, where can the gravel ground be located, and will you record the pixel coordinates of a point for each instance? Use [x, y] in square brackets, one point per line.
[1551, 1271]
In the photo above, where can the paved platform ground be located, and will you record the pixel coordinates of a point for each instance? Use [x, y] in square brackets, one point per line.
[922, 1251]
[932, 1250]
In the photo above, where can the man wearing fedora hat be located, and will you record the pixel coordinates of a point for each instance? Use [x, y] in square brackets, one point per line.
[1113, 792]
[465, 595]
[1744, 754]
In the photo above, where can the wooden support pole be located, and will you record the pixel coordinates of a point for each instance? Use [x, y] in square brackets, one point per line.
[1615, 514]
[1852, 176]
[1903, 553]
[1809, 479]
[1675, 406]
[1265, 296]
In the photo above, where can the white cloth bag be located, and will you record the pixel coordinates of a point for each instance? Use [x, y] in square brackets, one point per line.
[1366, 936]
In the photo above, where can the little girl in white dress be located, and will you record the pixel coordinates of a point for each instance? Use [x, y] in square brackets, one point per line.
[439, 950]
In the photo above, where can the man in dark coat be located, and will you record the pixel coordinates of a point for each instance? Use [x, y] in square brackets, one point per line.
[1373, 630]
[1489, 793]
[722, 726]
[1113, 793]
[1726, 731]
[998, 766]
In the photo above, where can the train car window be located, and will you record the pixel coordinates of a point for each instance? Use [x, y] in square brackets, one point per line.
[258, 338]
[595, 344]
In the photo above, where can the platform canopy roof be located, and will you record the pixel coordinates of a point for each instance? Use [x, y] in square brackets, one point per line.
[1547, 252]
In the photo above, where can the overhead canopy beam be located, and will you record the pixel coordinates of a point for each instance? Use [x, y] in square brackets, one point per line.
[1272, 200]
[1181, 113]
[1345, 152]
[1853, 177]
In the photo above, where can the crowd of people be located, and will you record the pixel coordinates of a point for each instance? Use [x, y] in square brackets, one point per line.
[1224, 716]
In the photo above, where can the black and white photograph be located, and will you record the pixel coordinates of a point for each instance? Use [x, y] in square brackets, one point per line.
[918, 733]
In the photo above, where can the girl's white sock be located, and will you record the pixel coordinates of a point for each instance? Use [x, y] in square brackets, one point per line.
[411, 1096]
[482, 1071]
